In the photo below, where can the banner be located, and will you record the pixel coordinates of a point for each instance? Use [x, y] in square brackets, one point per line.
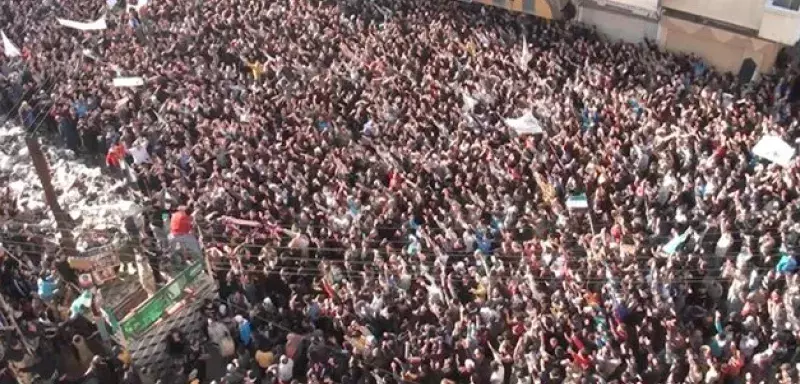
[155, 307]
[774, 149]
[9, 48]
[128, 82]
[96, 25]
[100, 262]
[95, 258]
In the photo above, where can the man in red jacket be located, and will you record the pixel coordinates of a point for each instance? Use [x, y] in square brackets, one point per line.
[180, 232]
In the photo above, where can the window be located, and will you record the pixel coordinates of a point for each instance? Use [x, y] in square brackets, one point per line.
[793, 5]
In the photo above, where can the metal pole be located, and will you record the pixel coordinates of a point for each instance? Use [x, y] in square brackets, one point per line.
[63, 220]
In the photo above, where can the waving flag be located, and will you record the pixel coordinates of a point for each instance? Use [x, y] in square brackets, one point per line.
[673, 245]
[9, 48]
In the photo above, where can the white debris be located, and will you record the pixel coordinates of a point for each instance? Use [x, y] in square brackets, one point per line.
[96, 201]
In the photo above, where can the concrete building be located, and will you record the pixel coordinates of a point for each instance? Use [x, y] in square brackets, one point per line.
[628, 20]
[548, 9]
[731, 35]
[740, 36]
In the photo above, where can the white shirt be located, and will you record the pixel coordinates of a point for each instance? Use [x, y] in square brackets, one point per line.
[712, 376]
[217, 332]
[285, 370]
[498, 376]
[139, 154]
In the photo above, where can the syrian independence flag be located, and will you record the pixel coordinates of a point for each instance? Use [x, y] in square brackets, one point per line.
[578, 202]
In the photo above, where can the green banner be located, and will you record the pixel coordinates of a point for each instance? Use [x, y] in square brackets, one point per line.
[152, 310]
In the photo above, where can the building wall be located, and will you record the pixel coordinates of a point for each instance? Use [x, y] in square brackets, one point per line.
[743, 13]
[647, 5]
[619, 26]
[722, 49]
[780, 25]
[539, 8]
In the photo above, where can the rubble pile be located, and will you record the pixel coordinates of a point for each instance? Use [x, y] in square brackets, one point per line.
[97, 202]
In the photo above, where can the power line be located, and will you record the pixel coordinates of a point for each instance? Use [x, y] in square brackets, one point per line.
[575, 244]
[218, 264]
[383, 252]
[357, 275]
[211, 233]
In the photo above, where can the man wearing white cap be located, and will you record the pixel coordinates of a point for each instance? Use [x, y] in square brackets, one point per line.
[285, 369]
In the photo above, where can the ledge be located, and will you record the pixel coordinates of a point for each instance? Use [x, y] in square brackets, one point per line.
[697, 19]
[623, 9]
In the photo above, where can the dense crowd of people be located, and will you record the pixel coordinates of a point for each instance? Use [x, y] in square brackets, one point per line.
[373, 220]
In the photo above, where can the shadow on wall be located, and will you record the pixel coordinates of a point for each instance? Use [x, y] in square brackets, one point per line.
[569, 11]
[747, 70]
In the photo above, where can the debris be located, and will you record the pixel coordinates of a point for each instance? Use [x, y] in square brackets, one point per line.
[84, 191]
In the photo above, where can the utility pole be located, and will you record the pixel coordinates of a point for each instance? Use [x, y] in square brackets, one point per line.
[63, 220]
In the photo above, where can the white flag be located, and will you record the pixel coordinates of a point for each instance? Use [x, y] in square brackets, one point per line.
[9, 48]
[525, 56]
[526, 124]
[88, 53]
[111, 3]
[469, 102]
